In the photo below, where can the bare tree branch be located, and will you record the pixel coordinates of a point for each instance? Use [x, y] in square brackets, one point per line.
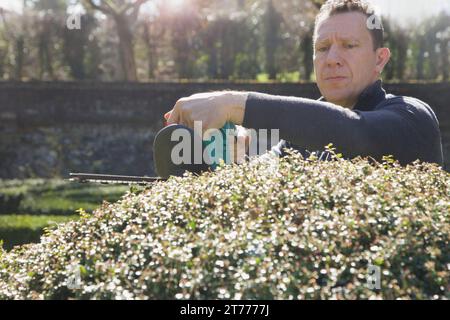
[107, 7]
[104, 7]
[134, 5]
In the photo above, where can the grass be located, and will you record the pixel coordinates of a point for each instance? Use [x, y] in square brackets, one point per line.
[288, 77]
[303, 229]
[282, 77]
[32, 222]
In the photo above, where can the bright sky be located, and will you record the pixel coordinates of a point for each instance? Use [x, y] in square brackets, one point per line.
[11, 4]
[411, 10]
[406, 10]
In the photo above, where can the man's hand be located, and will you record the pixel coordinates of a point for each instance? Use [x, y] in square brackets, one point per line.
[213, 109]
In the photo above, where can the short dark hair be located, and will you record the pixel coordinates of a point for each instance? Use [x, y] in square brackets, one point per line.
[334, 7]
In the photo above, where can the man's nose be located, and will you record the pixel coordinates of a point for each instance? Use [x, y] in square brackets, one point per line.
[334, 56]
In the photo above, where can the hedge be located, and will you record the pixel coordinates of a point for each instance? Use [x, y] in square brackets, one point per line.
[302, 229]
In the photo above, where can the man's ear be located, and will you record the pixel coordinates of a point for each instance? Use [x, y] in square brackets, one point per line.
[383, 56]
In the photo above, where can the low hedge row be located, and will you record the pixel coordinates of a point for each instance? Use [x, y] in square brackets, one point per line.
[21, 229]
[53, 196]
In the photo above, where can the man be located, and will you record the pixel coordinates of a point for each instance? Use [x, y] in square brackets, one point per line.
[355, 113]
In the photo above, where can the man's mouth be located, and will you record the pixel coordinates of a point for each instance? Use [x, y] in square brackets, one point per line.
[335, 78]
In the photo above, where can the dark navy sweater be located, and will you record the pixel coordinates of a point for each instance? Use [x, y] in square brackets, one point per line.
[379, 124]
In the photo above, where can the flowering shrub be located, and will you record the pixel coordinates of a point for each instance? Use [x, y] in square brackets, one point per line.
[309, 229]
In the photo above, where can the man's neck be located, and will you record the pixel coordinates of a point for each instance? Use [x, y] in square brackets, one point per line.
[345, 104]
[351, 103]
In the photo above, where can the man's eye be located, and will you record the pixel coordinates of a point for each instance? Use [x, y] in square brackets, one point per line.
[350, 46]
[322, 49]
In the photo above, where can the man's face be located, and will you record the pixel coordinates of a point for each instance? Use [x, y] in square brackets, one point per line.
[345, 61]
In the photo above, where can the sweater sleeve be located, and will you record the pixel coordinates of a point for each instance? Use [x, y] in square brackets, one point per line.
[404, 128]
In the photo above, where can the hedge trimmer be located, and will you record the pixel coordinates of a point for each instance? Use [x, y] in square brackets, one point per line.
[162, 152]
[112, 179]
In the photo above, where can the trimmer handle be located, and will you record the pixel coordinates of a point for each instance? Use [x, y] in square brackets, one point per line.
[226, 154]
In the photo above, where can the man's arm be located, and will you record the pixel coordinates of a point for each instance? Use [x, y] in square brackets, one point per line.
[404, 129]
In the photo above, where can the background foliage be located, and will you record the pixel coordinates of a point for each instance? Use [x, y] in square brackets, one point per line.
[142, 40]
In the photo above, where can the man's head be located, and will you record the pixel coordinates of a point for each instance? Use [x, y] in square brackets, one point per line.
[348, 50]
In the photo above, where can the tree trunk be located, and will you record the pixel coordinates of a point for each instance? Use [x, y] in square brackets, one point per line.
[45, 58]
[401, 56]
[151, 54]
[3, 54]
[212, 63]
[272, 27]
[126, 50]
[211, 46]
[420, 60]
[433, 61]
[445, 62]
[227, 52]
[19, 58]
[308, 52]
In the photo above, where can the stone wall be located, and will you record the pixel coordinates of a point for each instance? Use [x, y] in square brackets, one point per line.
[51, 129]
